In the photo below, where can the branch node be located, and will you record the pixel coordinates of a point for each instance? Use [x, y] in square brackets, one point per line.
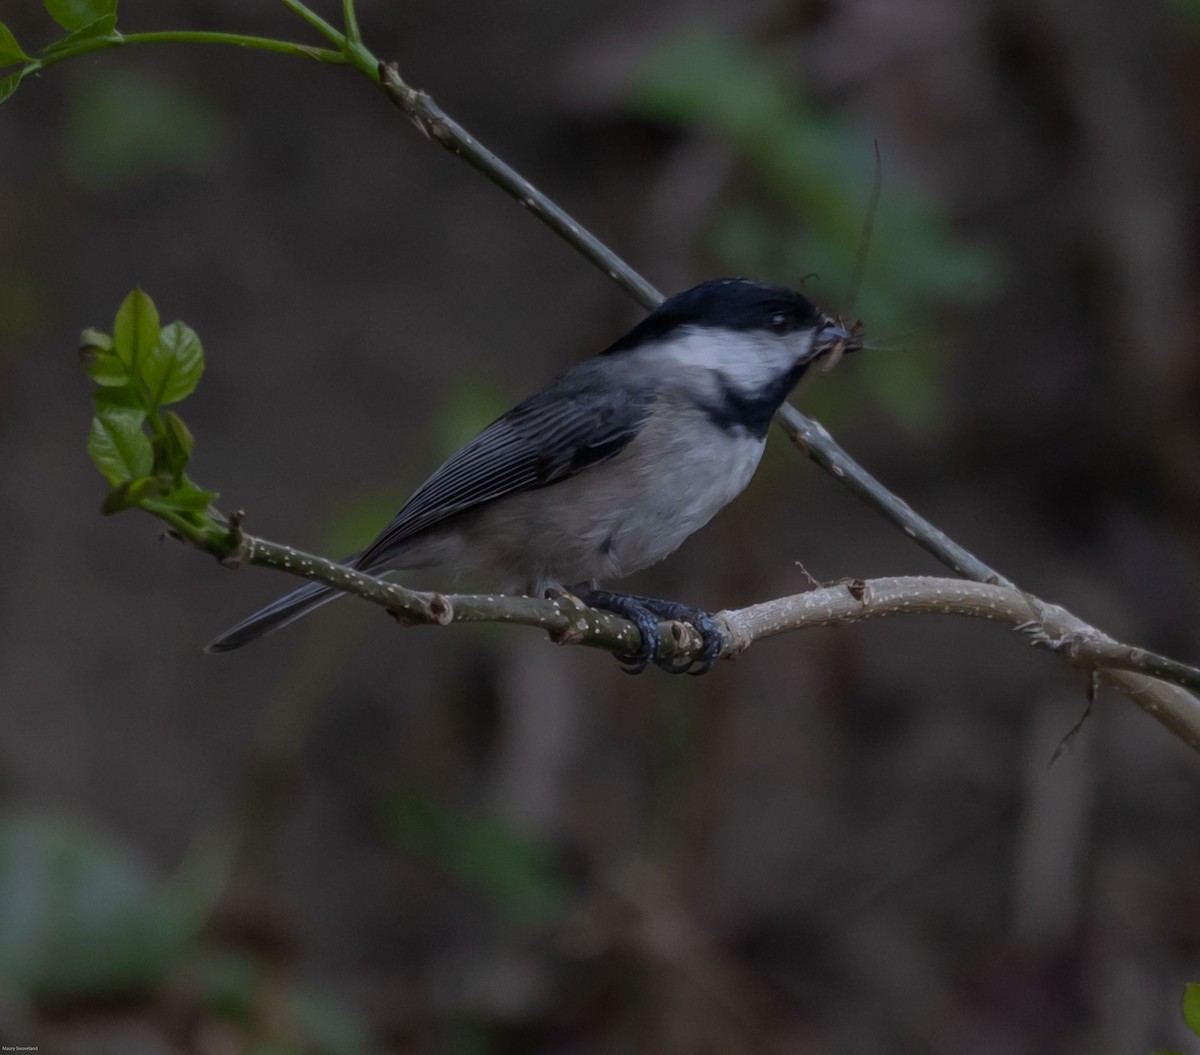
[440, 610]
[1072, 645]
[412, 101]
[734, 633]
[570, 634]
[405, 618]
[239, 551]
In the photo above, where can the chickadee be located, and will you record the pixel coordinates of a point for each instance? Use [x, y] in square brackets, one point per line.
[609, 467]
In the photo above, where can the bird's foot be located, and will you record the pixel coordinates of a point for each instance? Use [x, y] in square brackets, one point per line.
[645, 613]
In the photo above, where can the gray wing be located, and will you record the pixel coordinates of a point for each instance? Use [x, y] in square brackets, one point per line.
[582, 418]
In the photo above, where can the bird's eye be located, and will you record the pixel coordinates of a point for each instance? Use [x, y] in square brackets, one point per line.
[781, 322]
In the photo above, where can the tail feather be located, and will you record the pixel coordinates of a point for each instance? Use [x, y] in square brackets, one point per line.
[286, 610]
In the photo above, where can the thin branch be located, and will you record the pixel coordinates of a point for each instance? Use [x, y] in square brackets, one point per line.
[439, 127]
[188, 36]
[814, 440]
[566, 619]
[350, 21]
[1141, 675]
[326, 30]
[1156, 684]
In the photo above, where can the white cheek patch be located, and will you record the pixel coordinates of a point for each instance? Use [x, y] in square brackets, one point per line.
[750, 359]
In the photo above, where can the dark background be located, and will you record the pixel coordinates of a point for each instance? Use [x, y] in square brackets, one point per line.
[353, 837]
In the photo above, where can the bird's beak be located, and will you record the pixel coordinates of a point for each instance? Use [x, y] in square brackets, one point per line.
[834, 339]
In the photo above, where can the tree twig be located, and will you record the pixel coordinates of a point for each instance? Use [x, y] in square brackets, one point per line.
[439, 127]
[1155, 682]
[815, 441]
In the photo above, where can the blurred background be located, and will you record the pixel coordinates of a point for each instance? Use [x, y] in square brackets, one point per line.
[354, 838]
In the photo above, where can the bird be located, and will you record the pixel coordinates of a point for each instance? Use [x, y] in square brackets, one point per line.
[607, 469]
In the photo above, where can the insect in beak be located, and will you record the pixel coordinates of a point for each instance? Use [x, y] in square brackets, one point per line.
[834, 341]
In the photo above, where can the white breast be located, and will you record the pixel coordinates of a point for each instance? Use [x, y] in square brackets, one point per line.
[615, 518]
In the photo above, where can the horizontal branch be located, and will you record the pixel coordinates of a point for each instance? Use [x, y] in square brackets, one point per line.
[1153, 682]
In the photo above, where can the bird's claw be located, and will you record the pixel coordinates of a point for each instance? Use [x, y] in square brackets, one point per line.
[645, 613]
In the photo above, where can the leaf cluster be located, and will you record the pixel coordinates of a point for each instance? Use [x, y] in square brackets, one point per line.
[140, 447]
[83, 20]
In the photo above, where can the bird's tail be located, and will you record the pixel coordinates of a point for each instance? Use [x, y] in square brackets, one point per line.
[286, 610]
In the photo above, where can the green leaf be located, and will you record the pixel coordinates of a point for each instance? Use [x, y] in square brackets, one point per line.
[101, 27]
[134, 493]
[173, 368]
[124, 398]
[135, 330]
[92, 341]
[118, 446]
[176, 443]
[188, 498]
[182, 434]
[10, 50]
[1191, 1007]
[76, 14]
[107, 370]
[8, 84]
